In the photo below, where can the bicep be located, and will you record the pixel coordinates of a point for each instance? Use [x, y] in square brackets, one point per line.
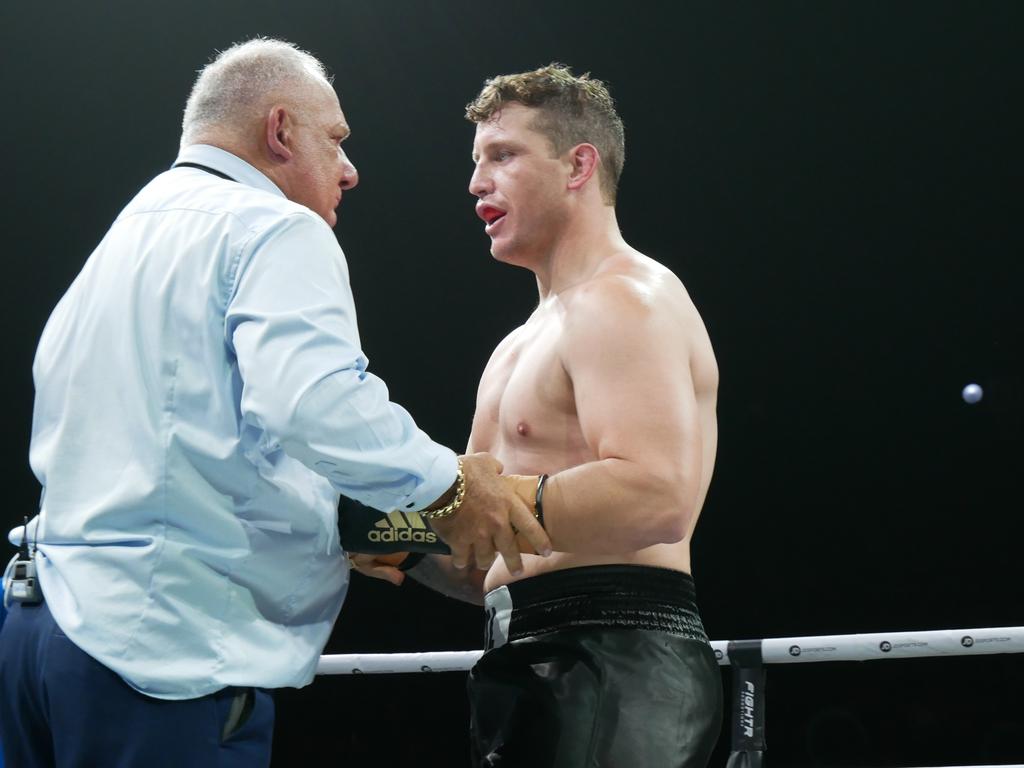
[633, 388]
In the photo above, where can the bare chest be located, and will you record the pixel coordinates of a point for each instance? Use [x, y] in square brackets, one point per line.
[526, 413]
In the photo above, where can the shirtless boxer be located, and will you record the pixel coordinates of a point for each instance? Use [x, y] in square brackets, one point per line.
[602, 406]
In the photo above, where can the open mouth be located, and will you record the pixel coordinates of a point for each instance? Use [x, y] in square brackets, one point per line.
[491, 215]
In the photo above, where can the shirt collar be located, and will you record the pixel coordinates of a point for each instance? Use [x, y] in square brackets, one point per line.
[227, 163]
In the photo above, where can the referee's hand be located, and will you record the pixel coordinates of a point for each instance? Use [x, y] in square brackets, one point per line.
[490, 518]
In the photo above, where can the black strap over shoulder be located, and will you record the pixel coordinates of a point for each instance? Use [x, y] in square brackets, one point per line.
[208, 169]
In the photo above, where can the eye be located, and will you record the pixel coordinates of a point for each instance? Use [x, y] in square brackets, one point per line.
[503, 154]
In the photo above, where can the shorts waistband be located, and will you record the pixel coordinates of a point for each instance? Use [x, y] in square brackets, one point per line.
[625, 596]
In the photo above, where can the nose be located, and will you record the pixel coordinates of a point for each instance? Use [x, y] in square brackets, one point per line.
[349, 174]
[479, 182]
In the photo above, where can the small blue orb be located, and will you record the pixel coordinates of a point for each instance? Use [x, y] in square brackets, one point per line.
[972, 393]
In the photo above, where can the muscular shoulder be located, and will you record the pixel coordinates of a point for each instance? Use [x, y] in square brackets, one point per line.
[636, 309]
[631, 291]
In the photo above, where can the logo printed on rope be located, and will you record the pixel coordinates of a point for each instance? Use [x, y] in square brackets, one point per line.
[796, 650]
[401, 526]
[981, 640]
[885, 646]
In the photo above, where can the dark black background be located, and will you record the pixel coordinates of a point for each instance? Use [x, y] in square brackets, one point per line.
[838, 185]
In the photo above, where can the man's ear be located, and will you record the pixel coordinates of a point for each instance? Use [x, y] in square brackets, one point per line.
[585, 162]
[279, 134]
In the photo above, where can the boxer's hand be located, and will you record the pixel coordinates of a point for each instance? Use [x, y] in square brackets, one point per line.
[525, 487]
[380, 566]
[491, 517]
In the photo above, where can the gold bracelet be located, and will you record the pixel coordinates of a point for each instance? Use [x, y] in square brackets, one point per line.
[452, 506]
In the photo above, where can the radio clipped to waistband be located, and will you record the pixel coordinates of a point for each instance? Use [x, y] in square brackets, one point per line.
[20, 582]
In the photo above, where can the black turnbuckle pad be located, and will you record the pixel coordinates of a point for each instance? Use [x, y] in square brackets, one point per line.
[748, 675]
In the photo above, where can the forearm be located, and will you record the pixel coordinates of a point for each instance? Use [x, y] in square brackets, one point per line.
[438, 573]
[613, 505]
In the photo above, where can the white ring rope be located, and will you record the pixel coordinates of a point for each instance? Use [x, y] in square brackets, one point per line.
[383, 663]
[774, 650]
[887, 645]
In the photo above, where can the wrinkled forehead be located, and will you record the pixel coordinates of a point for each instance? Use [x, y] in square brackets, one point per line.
[324, 96]
[321, 101]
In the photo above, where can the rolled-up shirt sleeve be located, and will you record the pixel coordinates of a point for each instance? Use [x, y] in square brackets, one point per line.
[291, 323]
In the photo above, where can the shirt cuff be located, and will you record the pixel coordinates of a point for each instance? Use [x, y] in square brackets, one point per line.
[438, 480]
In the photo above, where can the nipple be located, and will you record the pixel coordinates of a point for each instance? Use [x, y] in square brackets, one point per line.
[522, 429]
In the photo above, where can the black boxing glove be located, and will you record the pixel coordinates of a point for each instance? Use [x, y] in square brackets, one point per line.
[370, 531]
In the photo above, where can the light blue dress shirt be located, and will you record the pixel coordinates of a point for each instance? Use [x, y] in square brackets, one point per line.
[201, 399]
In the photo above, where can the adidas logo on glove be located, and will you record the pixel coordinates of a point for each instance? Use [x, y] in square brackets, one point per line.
[364, 529]
[401, 526]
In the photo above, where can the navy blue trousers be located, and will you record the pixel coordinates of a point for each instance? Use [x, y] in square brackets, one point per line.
[60, 708]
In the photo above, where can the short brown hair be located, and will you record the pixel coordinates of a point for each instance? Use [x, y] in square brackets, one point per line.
[571, 110]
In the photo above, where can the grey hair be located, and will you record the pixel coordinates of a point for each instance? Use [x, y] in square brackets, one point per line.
[230, 89]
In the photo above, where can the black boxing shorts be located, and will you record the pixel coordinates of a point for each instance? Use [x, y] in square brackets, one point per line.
[595, 667]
